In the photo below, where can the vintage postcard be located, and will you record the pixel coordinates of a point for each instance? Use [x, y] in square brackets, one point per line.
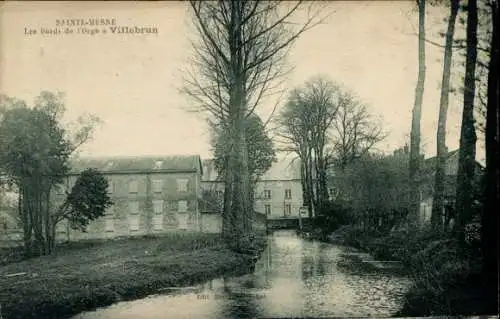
[245, 159]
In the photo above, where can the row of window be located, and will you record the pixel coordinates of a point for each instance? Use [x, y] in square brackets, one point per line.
[133, 186]
[288, 194]
[158, 207]
[156, 186]
[287, 210]
[266, 194]
[134, 223]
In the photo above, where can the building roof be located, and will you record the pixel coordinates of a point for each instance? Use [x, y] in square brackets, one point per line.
[285, 168]
[431, 161]
[429, 164]
[119, 164]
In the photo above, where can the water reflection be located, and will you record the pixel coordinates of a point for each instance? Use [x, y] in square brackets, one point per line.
[293, 278]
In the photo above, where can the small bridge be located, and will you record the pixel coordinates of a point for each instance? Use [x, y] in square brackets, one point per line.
[286, 223]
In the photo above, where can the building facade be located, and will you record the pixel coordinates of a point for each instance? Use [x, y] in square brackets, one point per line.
[278, 192]
[151, 195]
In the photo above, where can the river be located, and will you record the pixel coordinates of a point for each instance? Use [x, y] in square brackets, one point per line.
[293, 278]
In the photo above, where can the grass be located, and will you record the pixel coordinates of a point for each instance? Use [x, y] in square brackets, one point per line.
[83, 276]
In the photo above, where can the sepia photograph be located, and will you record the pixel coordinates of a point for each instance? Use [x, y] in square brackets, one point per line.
[249, 159]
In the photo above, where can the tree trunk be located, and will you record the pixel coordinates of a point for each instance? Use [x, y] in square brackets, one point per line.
[310, 185]
[323, 179]
[50, 240]
[321, 185]
[317, 183]
[442, 152]
[238, 161]
[226, 209]
[303, 182]
[467, 153]
[307, 185]
[26, 220]
[416, 116]
[32, 201]
[490, 218]
[239, 205]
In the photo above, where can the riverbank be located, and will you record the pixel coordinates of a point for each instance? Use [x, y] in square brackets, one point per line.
[447, 277]
[99, 274]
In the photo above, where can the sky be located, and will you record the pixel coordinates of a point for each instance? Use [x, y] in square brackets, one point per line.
[131, 81]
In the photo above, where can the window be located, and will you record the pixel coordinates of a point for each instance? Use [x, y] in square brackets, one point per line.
[109, 226]
[133, 187]
[158, 164]
[267, 194]
[109, 221]
[182, 185]
[109, 165]
[288, 210]
[157, 185]
[134, 223]
[111, 186]
[183, 221]
[182, 206]
[158, 222]
[158, 206]
[288, 194]
[133, 207]
[267, 208]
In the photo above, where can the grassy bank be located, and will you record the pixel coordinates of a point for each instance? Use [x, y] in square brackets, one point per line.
[447, 277]
[83, 276]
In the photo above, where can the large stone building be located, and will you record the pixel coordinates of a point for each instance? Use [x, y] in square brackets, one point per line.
[157, 195]
[278, 193]
[150, 194]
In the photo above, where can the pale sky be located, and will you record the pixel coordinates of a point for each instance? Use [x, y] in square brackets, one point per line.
[131, 81]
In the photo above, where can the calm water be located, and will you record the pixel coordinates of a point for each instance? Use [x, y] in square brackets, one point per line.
[294, 278]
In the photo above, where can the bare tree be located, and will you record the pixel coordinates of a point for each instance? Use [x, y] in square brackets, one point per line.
[467, 154]
[324, 125]
[438, 198]
[294, 133]
[490, 220]
[354, 132]
[414, 165]
[304, 123]
[239, 58]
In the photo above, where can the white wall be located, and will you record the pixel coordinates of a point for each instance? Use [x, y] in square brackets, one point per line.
[278, 201]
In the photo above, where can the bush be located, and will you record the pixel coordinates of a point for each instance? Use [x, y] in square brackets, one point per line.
[351, 235]
[333, 215]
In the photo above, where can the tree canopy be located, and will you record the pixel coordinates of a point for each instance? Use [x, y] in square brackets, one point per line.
[261, 153]
[36, 148]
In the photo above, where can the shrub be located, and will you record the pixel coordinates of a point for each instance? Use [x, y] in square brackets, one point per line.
[333, 215]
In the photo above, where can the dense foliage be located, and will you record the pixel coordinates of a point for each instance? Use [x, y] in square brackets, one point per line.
[88, 199]
[36, 148]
